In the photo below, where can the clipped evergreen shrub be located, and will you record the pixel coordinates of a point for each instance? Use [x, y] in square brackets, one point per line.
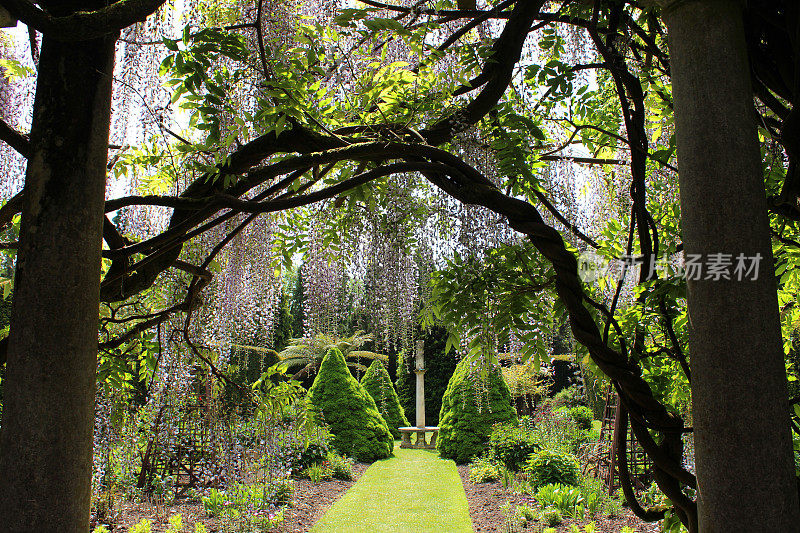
[466, 419]
[358, 428]
[379, 385]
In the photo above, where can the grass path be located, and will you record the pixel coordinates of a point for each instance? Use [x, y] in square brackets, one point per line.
[412, 491]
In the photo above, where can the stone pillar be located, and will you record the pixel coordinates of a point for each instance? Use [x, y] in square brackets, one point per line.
[419, 369]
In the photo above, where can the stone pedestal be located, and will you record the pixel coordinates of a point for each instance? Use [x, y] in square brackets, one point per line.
[420, 429]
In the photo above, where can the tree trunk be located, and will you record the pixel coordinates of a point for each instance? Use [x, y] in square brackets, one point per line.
[743, 447]
[46, 436]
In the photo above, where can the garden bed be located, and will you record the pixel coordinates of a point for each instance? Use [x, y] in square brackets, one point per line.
[486, 509]
[309, 503]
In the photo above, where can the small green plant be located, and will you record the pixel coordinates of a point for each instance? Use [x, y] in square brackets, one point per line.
[593, 503]
[627, 529]
[100, 529]
[483, 470]
[594, 494]
[341, 467]
[200, 528]
[511, 519]
[214, 503]
[526, 515]
[315, 473]
[280, 492]
[613, 507]
[582, 416]
[591, 527]
[550, 516]
[549, 466]
[145, 526]
[511, 445]
[654, 499]
[175, 524]
[506, 477]
[568, 500]
[267, 522]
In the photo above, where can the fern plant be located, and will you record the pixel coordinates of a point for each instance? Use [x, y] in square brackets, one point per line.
[304, 355]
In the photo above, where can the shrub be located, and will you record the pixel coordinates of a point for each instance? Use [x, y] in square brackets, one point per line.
[200, 528]
[341, 467]
[333, 467]
[483, 470]
[358, 428]
[466, 418]
[582, 416]
[315, 452]
[379, 385]
[549, 466]
[511, 445]
[569, 397]
[555, 430]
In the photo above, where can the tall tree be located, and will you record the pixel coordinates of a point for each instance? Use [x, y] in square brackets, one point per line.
[740, 408]
[48, 416]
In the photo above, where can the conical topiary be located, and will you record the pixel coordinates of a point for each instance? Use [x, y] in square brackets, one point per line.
[358, 428]
[379, 385]
[469, 410]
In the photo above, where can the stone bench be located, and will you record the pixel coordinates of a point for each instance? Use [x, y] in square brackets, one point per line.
[406, 432]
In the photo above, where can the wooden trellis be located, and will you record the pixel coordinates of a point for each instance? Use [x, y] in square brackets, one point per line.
[599, 457]
[189, 459]
[189, 456]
